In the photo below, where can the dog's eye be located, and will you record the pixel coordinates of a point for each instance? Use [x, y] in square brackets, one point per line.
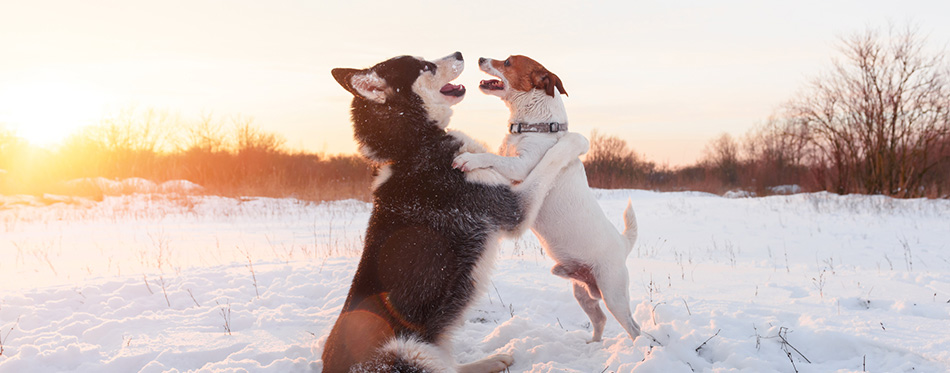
[508, 62]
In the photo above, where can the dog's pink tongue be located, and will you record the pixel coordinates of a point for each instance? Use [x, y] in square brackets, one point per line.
[450, 87]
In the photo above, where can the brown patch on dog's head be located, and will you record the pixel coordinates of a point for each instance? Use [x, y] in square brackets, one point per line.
[525, 74]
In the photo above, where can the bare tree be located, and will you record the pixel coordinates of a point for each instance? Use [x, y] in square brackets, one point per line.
[778, 142]
[876, 119]
[206, 135]
[722, 155]
[610, 163]
[250, 139]
[776, 152]
[132, 130]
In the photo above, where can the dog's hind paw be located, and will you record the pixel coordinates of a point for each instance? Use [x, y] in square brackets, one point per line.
[493, 364]
[501, 362]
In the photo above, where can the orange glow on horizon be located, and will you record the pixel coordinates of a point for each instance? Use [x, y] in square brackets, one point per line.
[45, 112]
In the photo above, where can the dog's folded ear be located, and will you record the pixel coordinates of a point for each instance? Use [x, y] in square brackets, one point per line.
[362, 83]
[559, 85]
[547, 81]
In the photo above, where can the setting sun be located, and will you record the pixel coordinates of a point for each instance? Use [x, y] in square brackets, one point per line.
[46, 112]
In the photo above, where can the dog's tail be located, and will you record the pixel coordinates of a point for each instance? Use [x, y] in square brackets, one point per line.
[407, 355]
[630, 226]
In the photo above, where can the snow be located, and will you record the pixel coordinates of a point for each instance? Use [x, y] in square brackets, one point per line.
[786, 189]
[132, 185]
[149, 282]
[738, 194]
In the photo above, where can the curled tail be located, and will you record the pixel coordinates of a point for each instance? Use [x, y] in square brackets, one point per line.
[630, 225]
[403, 354]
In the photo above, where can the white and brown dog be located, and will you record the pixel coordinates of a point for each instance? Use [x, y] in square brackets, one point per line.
[571, 226]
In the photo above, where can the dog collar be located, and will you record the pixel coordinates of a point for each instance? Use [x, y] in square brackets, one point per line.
[537, 127]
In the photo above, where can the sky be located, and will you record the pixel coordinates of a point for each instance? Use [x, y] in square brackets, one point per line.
[667, 77]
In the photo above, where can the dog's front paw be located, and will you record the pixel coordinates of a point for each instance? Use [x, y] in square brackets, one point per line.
[468, 162]
[577, 141]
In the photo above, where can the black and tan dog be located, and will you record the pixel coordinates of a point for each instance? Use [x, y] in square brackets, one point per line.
[434, 231]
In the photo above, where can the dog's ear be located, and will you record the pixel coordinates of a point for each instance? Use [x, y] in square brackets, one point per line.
[546, 80]
[342, 76]
[558, 84]
[362, 83]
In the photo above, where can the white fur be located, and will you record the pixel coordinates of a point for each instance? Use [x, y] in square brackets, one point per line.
[369, 153]
[385, 171]
[491, 364]
[428, 356]
[483, 175]
[370, 86]
[434, 359]
[571, 226]
[427, 86]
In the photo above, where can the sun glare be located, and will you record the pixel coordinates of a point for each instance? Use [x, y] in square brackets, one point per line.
[46, 112]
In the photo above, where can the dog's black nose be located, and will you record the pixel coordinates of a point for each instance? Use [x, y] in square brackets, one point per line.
[481, 60]
[458, 56]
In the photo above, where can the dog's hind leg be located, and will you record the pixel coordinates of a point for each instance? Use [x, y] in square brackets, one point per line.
[580, 273]
[592, 307]
[586, 292]
[614, 288]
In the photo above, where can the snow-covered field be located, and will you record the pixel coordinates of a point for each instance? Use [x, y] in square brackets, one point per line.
[153, 283]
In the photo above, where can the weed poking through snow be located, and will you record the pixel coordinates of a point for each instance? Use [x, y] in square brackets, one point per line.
[161, 280]
[225, 313]
[193, 297]
[786, 346]
[819, 283]
[908, 254]
[149, 288]
[707, 340]
[250, 266]
[5, 336]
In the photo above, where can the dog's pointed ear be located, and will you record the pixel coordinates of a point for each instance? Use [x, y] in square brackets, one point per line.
[362, 83]
[546, 80]
[342, 76]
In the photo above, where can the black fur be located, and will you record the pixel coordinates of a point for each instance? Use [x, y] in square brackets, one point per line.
[427, 231]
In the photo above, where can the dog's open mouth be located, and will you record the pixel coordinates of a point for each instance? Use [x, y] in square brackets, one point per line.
[492, 85]
[453, 90]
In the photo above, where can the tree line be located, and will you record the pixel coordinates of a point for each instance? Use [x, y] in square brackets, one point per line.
[230, 157]
[877, 122]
